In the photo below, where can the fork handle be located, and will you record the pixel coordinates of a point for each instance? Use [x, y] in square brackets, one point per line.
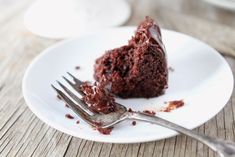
[222, 147]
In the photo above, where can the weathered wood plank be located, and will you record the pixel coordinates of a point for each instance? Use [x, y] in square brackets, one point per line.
[106, 150]
[60, 147]
[133, 150]
[169, 147]
[73, 147]
[96, 149]
[148, 149]
[42, 146]
[118, 148]
[14, 136]
[85, 151]
[158, 148]
[10, 8]
[211, 130]
[37, 134]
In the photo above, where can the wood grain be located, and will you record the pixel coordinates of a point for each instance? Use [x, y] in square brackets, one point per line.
[23, 134]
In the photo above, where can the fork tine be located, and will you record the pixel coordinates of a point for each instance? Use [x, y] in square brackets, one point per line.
[74, 107]
[77, 81]
[80, 102]
[75, 86]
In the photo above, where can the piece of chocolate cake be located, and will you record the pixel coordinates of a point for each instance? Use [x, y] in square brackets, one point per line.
[98, 99]
[138, 69]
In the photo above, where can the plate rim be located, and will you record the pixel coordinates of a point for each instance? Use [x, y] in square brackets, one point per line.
[100, 139]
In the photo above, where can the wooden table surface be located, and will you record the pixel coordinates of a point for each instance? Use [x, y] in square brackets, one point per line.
[23, 134]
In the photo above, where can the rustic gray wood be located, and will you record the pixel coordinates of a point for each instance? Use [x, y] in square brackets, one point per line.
[23, 134]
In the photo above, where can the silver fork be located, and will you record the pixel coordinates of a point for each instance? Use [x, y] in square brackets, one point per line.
[222, 147]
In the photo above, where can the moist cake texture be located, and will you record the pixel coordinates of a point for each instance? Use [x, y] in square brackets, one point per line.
[138, 69]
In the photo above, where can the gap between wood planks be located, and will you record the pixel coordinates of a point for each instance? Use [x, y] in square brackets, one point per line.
[1, 87]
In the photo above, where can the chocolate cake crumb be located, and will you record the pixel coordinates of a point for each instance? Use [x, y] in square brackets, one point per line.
[172, 105]
[105, 131]
[69, 116]
[77, 122]
[150, 112]
[133, 123]
[77, 67]
[138, 69]
[130, 110]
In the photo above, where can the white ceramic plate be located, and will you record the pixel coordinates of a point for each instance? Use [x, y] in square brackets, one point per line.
[201, 77]
[225, 4]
